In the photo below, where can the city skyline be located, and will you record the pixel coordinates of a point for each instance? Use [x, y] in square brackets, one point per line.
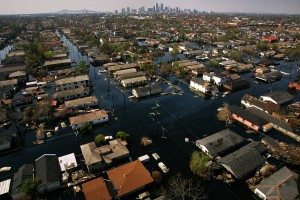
[247, 6]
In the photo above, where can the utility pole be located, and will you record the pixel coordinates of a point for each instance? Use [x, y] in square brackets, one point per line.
[124, 99]
[107, 83]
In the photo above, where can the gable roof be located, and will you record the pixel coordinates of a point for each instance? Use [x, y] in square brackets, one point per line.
[243, 161]
[96, 189]
[81, 101]
[278, 96]
[252, 117]
[88, 117]
[129, 177]
[220, 141]
[72, 79]
[259, 104]
[280, 185]
[90, 156]
[47, 168]
[70, 92]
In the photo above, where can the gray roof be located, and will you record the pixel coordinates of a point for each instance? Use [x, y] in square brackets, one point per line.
[279, 96]
[280, 123]
[47, 168]
[198, 80]
[220, 141]
[242, 162]
[25, 172]
[280, 185]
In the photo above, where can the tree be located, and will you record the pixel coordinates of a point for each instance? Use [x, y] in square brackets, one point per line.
[13, 117]
[33, 113]
[121, 134]
[82, 67]
[150, 68]
[175, 51]
[179, 187]
[237, 56]
[224, 114]
[99, 139]
[29, 187]
[198, 164]
[165, 69]
[145, 141]
[156, 175]
[213, 63]
[85, 127]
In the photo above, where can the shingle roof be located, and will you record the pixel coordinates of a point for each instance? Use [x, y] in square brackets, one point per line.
[90, 156]
[220, 141]
[243, 161]
[249, 116]
[279, 96]
[284, 125]
[47, 168]
[96, 190]
[65, 93]
[88, 117]
[129, 177]
[264, 105]
[81, 101]
[25, 172]
[72, 79]
[280, 185]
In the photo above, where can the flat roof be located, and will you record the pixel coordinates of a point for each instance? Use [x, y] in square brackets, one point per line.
[67, 162]
[4, 186]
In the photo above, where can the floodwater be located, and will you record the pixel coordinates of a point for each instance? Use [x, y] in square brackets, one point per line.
[186, 116]
[4, 52]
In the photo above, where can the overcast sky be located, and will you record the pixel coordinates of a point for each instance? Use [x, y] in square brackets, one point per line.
[254, 6]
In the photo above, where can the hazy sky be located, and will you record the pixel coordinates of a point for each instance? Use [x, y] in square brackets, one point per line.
[257, 6]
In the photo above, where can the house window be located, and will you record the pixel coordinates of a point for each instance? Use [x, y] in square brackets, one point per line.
[76, 86]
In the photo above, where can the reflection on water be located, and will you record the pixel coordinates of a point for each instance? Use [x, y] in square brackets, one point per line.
[4, 52]
[74, 54]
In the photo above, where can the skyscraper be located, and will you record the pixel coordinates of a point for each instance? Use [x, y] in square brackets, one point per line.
[128, 9]
[156, 9]
[161, 7]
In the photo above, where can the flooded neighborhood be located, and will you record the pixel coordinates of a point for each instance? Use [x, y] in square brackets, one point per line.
[149, 103]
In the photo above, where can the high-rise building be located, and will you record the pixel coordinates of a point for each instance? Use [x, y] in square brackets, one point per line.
[156, 9]
[128, 9]
[142, 9]
[123, 11]
[161, 7]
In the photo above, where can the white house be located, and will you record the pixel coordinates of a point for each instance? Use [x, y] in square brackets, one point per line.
[95, 117]
[277, 97]
[207, 77]
[219, 79]
[73, 82]
[200, 85]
